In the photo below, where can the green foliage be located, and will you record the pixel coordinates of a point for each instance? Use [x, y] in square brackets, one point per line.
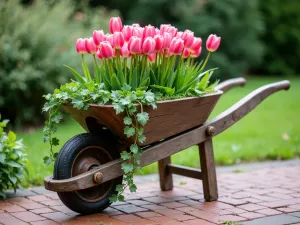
[12, 160]
[282, 36]
[34, 42]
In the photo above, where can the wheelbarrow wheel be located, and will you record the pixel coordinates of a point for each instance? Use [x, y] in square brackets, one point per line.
[80, 154]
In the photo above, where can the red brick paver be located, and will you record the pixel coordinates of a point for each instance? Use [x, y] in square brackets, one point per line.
[242, 197]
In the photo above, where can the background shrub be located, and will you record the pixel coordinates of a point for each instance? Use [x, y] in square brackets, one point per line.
[12, 160]
[35, 42]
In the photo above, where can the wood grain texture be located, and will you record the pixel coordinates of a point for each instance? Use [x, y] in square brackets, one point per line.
[228, 84]
[165, 176]
[170, 118]
[177, 143]
[208, 170]
[185, 171]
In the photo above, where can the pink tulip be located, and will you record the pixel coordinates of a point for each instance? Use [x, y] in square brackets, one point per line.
[196, 53]
[100, 56]
[167, 39]
[186, 53]
[152, 57]
[135, 45]
[136, 25]
[115, 25]
[213, 43]
[118, 40]
[149, 31]
[163, 28]
[159, 42]
[98, 36]
[188, 38]
[172, 30]
[138, 32]
[168, 52]
[176, 46]
[179, 34]
[107, 50]
[80, 46]
[124, 51]
[90, 46]
[148, 46]
[127, 32]
[157, 31]
[196, 44]
[109, 38]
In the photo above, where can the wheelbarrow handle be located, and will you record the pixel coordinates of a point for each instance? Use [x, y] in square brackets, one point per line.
[228, 84]
[244, 106]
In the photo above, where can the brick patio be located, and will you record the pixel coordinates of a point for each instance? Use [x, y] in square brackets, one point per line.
[268, 196]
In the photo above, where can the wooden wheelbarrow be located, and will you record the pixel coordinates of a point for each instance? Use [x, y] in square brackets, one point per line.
[88, 167]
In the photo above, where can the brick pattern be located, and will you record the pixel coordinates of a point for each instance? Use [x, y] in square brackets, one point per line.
[244, 198]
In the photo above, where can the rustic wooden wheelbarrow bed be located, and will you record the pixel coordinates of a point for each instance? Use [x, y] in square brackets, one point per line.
[89, 166]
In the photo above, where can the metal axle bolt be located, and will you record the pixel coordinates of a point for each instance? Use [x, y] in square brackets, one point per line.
[210, 131]
[98, 177]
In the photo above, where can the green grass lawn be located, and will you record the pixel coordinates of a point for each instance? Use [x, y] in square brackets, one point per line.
[271, 131]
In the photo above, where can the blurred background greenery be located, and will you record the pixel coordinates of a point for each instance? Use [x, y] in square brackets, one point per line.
[260, 38]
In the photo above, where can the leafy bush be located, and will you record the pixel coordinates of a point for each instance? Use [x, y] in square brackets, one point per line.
[34, 43]
[12, 160]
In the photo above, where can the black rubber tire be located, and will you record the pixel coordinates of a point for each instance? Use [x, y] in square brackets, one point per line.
[63, 167]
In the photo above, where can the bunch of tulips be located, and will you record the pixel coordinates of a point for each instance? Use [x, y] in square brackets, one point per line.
[145, 56]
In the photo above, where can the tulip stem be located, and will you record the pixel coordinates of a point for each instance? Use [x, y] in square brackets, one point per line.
[97, 72]
[205, 62]
[125, 69]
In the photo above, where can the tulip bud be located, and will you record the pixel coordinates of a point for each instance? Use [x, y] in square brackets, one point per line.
[90, 46]
[159, 42]
[188, 38]
[196, 44]
[176, 46]
[196, 53]
[172, 30]
[163, 28]
[115, 25]
[106, 49]
[152, 57]
[148, 46]
[124, 51]
[135, 45]
[138, 32]
[118, 40]
[98, 36]
[109, 38]
[149, 31]
[213, 43]
[186, 53]
[136, 25]
[99, 54]
[127, 32]
[167, 39]
[80, 46]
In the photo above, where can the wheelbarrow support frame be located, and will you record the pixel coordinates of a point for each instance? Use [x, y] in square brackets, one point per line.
[162, 151]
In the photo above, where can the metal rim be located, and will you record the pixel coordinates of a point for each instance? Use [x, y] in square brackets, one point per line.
[87, 159]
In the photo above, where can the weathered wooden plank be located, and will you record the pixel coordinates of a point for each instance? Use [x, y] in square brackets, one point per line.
[185, 171]
[165, 176]
[208, 169]
[228, 84]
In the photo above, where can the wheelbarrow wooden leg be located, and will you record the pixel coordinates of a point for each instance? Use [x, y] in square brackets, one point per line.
[165, 176]
[208, 170]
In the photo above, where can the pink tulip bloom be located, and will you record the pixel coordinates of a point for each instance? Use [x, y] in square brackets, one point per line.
[172, 30]
[163, 28]
[109, 38]
[149, 31]
[196, 44]
[213, 43]
[152, 57]
[124, 51]
[115, 25]
[159, 42]
[196, 53]
[136, 25]
[99, 54]
[107, 50]
[98, 36]
[138, 32]
[90, 46]
[127, 32]
[179, 34]
[188, 38]
[168, 52]
[186, 53]
[157, 31]
[148, 46]
[80, 46]
[176, 46]
[118, 39]
[135, 45]
[167, 39]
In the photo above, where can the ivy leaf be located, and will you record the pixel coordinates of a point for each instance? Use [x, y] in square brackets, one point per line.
[142, 138]
[57, 117]
[47, 160]
[131, 109]
[127, 120]
[132, 188]
[127, 167]
[149, 97]
[125, 101]
[129, 131]
[125, 155]
[119, 188]
[11, 136]
[113, 198]
[140, 131]
[118, 107]
[121, 198]
[142, 118]
[55, 155]
[134, 148]
[55, 141]
[78, 103]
